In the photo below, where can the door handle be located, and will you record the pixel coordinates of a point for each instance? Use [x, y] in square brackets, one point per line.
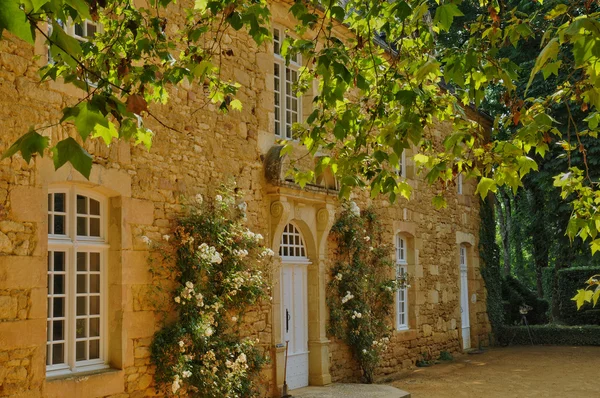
[287, 320]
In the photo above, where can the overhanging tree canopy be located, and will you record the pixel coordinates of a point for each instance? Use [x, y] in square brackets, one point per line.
[392, 65]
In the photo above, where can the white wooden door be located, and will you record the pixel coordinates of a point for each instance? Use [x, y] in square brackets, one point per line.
[295, 325]
[464, 300]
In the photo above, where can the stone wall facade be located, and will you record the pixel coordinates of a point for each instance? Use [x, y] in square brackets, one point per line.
[142, 191]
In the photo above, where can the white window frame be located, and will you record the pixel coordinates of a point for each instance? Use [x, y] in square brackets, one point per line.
[291, 247]
[283, 88]
[69, 29]
[459, 184]
[70, 243]
[401, 292]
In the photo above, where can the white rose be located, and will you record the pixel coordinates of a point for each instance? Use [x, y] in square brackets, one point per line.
[146, 240]
[166, 237]
[177, 299]
[199, 198]
[219, 198]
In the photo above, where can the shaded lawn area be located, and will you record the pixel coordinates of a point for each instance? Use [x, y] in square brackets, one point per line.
[519, 371]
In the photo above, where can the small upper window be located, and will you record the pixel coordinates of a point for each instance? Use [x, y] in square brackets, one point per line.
[287, 103]
[400, 250]
[459, 184]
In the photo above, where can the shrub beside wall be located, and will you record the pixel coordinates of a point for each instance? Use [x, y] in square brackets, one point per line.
[550, 335]
[569, 281]
[514, 295]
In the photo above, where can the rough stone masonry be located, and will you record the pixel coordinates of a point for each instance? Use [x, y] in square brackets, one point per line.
[144, 190]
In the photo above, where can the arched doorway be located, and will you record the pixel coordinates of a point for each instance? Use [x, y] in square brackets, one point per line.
[294, 305]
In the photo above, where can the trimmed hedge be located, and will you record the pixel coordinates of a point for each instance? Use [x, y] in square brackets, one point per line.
[550, 335]
[548, 282]
[514, 295]
[569, 281]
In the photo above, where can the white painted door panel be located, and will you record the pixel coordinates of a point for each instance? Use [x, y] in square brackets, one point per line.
[295, 325]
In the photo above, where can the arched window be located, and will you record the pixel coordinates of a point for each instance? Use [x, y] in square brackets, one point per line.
[292, 244]
[402, 292]
[77, 266]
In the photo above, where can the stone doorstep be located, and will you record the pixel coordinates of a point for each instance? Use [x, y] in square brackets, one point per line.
[349, 390]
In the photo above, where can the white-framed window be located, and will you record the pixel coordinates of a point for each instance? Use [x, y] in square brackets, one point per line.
[402, 292]
[463, 257]
[77, 272]
[292, 243]
[80, 31]
[459, 184]
[287, 104]
[401, 171]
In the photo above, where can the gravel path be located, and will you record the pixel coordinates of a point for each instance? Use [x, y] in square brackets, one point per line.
[509, 372]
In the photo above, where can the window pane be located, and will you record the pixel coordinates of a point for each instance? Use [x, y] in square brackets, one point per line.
[58, 354]
[59, 225]
[49, 223]
[82, 226]
[81, 305]
[59, 284]
[81, 205]
[81, 328]
[58, 331]
[59, 261]
[94, 227]
[49, 201]
[94, 327]
[80, 350]
[94, 349]
[94, 305]
[94, 261]
[79, 29]
[94, 207]
[91, 29]
[49, 331]
[59, 202]
[48, 354]
[81, 284]
[49, 307]
[94, 283]
[81, 262]
[59, 307]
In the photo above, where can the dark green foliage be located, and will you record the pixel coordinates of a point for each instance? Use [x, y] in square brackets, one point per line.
[551, 335]
[569, 281]
[445, 356]
[548, 283]
[489, 253]
[515, 294]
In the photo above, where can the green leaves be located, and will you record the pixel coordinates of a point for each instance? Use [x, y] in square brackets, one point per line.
[485, 185]
[13, 19]
[29, 144]
[85, 116]
[549, 52]
[68, 150]
[583, 296]
[444, 15]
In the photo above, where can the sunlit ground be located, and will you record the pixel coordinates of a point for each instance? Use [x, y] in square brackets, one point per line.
[510, 372]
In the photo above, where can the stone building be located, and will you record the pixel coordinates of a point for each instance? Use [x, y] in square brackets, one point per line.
[76, 319]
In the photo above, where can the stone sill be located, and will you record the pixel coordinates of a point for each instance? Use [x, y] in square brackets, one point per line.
[95, 383]
[81, 376]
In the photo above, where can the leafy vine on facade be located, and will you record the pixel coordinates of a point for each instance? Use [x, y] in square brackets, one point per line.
[362, 288]
[222, 270]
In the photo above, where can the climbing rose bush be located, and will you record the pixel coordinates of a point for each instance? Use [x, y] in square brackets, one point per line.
[362, 288]
[222, 270]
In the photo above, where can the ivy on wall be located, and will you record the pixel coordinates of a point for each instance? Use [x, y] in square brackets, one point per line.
[489, 253]
[361, 291]
[221, 271]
